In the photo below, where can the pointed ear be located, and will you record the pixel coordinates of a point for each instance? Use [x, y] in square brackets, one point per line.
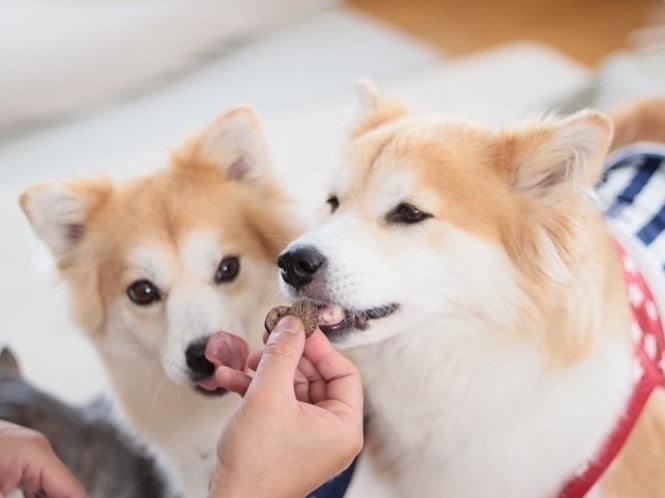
[8, 365]
[376, 108]
[370, 95]
[59, 211]
[560, 151]
[234, 143]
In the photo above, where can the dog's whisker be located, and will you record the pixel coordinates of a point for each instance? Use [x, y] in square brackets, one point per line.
[271, 296]
[157, 391]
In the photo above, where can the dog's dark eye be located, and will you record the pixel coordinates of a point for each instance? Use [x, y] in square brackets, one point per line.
[227, 270]
[143, 292]
[333, 201]
[406, 213]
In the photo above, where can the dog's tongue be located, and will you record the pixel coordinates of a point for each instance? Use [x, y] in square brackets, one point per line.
[228, 350]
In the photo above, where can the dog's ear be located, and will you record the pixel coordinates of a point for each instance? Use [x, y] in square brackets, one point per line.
[370, 95]
[377, 109]
[59, 211]
[559, 151]
[234, 143]
[8, 364]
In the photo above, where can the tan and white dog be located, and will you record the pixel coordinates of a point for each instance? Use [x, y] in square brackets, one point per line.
[470, 276]
[157, 266]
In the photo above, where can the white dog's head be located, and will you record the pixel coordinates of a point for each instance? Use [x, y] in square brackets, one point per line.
[157, 266]
[434, 217]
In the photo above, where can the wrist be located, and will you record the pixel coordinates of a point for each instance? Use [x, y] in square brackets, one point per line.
[234, 484]
[231, 491]
[251, 487]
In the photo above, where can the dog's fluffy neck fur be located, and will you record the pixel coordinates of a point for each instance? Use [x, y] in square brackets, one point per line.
[480, 422]
[175, 419]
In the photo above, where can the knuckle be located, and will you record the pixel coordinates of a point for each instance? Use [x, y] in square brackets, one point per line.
[39, 440]
[357, 444]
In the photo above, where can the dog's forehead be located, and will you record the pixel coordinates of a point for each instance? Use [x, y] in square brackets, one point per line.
[168, 206]
[199, 251]
[411, 152]
[446, 167]
[153, 262]
[165, 223]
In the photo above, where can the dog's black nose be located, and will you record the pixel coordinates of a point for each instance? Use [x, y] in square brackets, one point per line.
[196, 359]
[299, 265]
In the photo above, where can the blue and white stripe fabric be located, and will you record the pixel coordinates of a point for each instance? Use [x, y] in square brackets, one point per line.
[337, 486]
[632, 196]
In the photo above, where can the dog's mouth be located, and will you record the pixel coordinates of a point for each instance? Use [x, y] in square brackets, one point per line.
[335, 321]
[222, 349]
[218, 391]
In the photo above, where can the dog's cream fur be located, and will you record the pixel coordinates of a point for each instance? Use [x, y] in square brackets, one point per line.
[217, 198]
[508, 361]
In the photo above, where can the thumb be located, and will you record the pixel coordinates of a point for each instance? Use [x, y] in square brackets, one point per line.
[279, 360]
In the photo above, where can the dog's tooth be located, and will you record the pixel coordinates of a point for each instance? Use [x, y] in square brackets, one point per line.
[332, 314]
[326, 315]
[338, 313]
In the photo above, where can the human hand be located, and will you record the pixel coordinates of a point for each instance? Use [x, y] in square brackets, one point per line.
[299, 424]
[27, 462]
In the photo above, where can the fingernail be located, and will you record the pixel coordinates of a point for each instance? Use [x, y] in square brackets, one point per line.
[289, 324]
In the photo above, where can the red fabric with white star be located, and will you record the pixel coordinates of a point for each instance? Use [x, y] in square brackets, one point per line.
[649, 374]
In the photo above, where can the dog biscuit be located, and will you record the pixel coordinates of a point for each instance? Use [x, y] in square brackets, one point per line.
[307, 312]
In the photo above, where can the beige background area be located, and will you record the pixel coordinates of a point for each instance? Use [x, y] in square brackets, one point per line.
[586, 30]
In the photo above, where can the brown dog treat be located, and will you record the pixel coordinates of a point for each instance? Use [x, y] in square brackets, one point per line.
[307, 312]
[274, 316]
